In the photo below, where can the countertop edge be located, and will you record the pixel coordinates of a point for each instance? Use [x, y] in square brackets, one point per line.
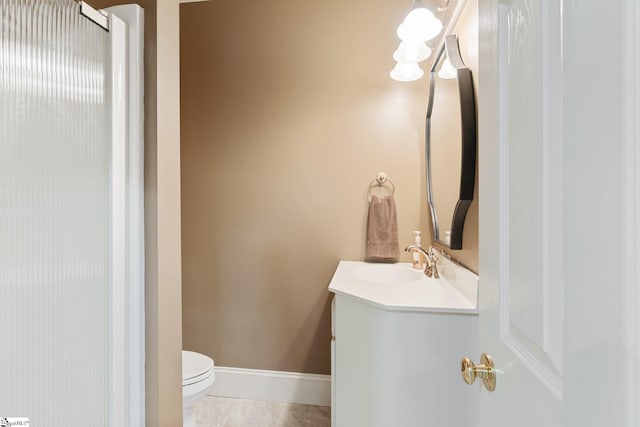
[406, 308]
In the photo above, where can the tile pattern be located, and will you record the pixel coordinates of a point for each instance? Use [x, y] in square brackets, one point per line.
[212, 411]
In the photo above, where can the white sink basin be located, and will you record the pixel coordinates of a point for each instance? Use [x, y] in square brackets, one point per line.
[392, 274]
[400, 287]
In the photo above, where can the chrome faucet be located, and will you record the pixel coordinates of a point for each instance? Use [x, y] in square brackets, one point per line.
[431, 264]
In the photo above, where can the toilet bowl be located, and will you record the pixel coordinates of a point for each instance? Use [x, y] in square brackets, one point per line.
[197, 378]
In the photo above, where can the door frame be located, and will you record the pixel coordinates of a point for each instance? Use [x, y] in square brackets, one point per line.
[631, 248]
[127, 383]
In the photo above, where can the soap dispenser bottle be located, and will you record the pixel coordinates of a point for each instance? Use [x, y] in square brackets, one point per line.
[416, 256]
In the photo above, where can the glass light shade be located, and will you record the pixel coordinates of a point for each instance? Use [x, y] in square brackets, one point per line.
[447, 71]
[409, 51]
[406, 72]
[419, 25]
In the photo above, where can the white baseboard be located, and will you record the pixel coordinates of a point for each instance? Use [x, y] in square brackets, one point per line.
[291, 387]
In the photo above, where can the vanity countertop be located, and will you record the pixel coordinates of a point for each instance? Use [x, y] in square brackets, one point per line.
[399, 287]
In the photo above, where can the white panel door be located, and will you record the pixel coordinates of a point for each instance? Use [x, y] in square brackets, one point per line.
[557, 109]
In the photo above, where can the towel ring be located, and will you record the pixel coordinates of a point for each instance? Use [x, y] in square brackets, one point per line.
[380, 181]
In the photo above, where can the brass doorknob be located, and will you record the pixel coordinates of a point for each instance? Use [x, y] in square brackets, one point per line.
[470, 371]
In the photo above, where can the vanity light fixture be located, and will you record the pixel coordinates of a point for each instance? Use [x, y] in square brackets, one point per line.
[407, 56]
[409, 51]
[447, 70]
[406, 72]
[420, 25]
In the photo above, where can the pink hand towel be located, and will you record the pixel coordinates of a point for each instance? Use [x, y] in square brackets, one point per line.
[382, 230]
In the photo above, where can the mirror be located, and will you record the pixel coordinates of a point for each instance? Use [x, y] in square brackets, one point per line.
[451, 144]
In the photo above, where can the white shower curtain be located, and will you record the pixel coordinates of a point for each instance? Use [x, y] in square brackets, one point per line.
[57, 231]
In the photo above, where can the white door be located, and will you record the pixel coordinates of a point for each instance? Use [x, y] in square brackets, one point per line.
[558, 106]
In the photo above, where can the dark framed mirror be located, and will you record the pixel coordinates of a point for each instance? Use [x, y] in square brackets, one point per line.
[451, 144]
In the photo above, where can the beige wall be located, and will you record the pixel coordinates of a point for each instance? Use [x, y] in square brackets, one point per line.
[288, 113]
[466, 29]
[162, 212]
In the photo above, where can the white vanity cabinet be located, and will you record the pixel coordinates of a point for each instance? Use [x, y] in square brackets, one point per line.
[399, 366]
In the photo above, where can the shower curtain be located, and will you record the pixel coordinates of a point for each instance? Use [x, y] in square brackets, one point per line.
[63, 237]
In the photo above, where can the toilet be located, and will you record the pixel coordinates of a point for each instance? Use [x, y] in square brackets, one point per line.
[197, 378]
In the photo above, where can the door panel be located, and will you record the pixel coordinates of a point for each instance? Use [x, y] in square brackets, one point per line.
[520, 262]
[530, 183]
[560, 198]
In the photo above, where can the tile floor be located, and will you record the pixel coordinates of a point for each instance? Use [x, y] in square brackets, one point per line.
[212, 411]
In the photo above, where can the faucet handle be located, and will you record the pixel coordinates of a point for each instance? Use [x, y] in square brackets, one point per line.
[432, 263]
[431, 251]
